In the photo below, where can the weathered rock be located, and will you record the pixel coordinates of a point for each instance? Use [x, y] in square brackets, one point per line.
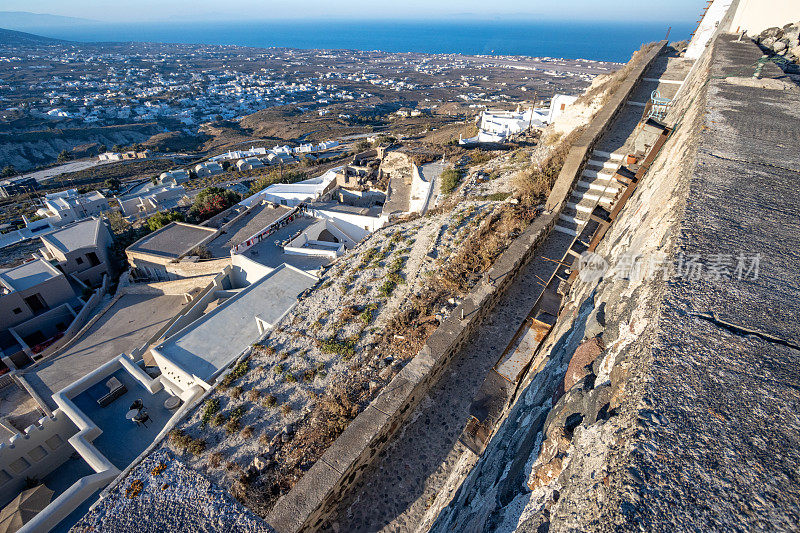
[580, 364]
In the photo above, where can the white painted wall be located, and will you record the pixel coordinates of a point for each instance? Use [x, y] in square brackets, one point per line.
[34, 453]
[755, 16]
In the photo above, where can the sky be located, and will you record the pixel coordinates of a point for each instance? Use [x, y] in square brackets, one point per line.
[210, 10]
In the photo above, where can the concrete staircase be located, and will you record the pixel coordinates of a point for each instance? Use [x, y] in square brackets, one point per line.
[597, 186]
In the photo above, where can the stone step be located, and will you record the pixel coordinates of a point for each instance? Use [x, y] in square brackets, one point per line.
[568, 231]
[659, 80]
[577, 196]
[604, 164]
[600, 185]
[614, 156]
[577, 206]
[600, 174]
[574, 219]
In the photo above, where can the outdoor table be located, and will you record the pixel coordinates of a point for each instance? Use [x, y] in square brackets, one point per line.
[131, 414]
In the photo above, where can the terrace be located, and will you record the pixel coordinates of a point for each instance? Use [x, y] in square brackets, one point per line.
[269, 253]
[123, 440]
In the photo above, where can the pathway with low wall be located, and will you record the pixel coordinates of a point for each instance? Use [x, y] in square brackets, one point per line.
[318, 496]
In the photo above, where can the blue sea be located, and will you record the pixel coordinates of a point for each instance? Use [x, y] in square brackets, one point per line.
[601, 40]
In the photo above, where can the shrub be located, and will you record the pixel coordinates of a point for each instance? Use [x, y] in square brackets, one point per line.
[348, 313]
[162, 218]
[273, 177]
[253, 395]
[343, 348]
[368, 313]
[210, 408]
[186, 443]
[218, 420]
[387, 288]
[450, 178]
[286, 409]
[236, 392]
[247, 432]
[238, 371]
[210, 202]
[215, 459]
[270, 401]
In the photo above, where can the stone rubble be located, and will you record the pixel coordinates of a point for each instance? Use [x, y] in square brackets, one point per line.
[783, 41]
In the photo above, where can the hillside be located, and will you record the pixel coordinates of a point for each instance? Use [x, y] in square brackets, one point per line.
[13, 37]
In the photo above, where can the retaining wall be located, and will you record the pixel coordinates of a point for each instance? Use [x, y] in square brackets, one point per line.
[582, 148]
[315, 497]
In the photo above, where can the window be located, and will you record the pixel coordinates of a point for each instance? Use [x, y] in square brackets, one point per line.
[17, 310]
[79, 260]
[93, 259]
[36, 303]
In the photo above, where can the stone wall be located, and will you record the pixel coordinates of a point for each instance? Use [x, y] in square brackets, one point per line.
[581, 149]
[312, 500]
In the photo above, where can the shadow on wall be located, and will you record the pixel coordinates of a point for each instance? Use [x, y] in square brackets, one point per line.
[513, 448]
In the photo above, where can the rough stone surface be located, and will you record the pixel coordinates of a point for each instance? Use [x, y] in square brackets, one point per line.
[176, 498]
[699, 373]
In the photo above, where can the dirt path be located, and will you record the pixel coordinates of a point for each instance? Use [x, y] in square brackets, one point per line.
[395, 495]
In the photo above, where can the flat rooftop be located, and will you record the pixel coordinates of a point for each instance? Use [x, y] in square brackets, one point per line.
[374, 211]
[28, 275]
[261, 216]
[172, 241]
[398, 197]
[214, 340]
[271, 255]
[125, 326]
[75, 236]
[123, 440]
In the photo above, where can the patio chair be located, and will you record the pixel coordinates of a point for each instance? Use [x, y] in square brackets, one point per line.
[142, 418]
[136, 405]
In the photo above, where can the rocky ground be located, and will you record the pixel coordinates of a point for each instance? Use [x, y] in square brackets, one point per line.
[148, 503]
[329, 341]
[784, 42]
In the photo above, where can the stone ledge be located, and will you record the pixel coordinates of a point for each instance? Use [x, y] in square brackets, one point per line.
[579, 151]
[311, 501]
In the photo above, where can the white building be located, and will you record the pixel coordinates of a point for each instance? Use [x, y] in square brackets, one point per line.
[68, 206]
[249, 164]
[174, 177]
[209, 168]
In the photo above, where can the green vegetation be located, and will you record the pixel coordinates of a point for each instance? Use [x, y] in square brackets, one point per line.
[210, 202]
[238, 371]
[276, 176]
[210, 408]
[234, 419]
[450, 178]
[8, 171]
[162, 218]
[346, 348]
[270, 401]
[368, 313]
[186, 443]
